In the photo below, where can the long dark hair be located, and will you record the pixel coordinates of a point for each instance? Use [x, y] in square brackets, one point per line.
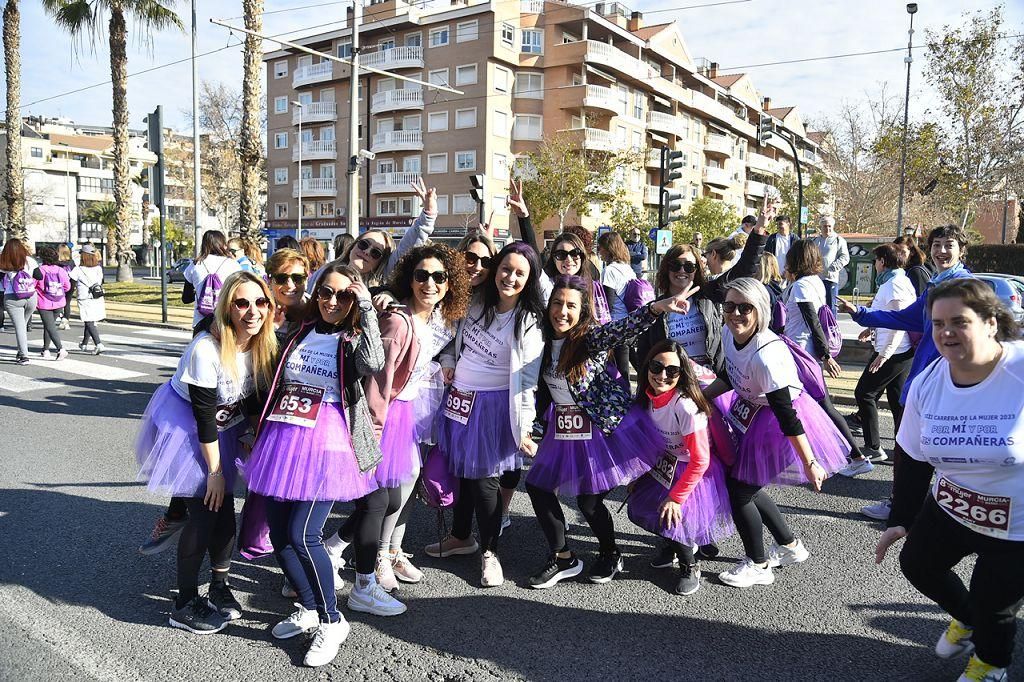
[214, 244]
[700, 277]
[574, 351]
[456, 299]
[916, 255]
[587, 269]
[351, 323]
[530, 300]
[688, 386]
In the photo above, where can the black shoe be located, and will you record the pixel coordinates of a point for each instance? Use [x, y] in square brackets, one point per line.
[689, 579]
[605, 568]
[875, 455]
[198, 617]
[556, 570]
[665, 558]
[708, 551]
[853, 421]
[21, 360]
[225, 603]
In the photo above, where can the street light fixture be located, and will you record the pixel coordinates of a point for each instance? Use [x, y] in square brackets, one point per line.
[298, 224]
[71, 196]
[909, 60]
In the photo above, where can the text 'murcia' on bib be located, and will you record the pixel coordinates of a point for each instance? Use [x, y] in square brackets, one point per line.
[985, 514]
[742, 412]
[664, 472]
[298, 404]
[572, 423]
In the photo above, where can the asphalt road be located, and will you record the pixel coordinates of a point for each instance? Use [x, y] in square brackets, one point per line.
[78, 601]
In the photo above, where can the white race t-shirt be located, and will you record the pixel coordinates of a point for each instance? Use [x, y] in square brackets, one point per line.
[486, 359]
[200, 365]
[433, 336]
[314, 362]
[974, 437]
[679, 418]
[197, 272]
[805, 290]
[8, 277]
[690, 331]
[762, 366]
[558, 385]
[616, 276]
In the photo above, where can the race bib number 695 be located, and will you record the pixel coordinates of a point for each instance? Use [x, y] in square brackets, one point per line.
[458, 405]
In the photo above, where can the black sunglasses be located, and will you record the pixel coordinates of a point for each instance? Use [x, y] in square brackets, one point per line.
[562, 254]
[671, 371]
[742, 308]
[472, 259]
[366, 246]
[281, 278]
[261, 303]
[326, 294]
[421, 276]
[684, 265]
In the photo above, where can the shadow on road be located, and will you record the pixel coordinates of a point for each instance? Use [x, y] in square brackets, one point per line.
[90, 398]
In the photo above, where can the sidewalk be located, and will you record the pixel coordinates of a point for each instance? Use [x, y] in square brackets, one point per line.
[146, 315]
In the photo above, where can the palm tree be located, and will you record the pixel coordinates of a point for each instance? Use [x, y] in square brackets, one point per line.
[104, 213]
[79, 17]
[250, 147]
[13, 176]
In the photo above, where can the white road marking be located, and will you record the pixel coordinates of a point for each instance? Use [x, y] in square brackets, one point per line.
[137, 342]
[19, 384]
[157, 360]
[85, 369]
[168, 334]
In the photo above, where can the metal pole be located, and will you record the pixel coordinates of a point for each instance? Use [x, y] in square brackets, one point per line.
[74, 195]
[1006, 188]
[799, 184]
[298, 224]
[197, 196]
[352, 211]
[909, 59]
[163, 263]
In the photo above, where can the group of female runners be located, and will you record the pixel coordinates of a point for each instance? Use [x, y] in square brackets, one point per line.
[415, 350]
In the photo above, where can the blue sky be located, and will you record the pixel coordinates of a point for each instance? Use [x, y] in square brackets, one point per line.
[734, 35]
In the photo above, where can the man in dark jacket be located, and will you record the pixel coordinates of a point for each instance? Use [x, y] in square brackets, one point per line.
[637, 251]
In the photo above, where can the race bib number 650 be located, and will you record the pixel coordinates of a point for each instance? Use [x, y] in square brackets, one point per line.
[572, 423]
[298, 404]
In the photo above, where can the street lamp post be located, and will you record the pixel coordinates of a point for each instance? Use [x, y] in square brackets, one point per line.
[909, 59]
[67, 181]
[298, 224]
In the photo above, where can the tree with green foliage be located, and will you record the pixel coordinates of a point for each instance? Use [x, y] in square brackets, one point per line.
[816, 197]
[709, 217]
[183, 240]
[624, 215]
[104, 213]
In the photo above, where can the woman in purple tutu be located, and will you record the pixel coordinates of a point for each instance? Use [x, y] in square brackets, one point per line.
[189, 440]
[785, 438]
[597, 439]
[307, 457]
[683, 498]
[487, 416]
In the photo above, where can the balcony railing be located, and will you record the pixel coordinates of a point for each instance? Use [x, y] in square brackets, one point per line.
[314, 73]
[315, 112]
[404, 57]
[392, 182]
[397, 140]
[531, 6]
[392, 100]
[599, 140]
[719, 177]
[718, 144]
[666, 123]
[614, 58]
[315, 150]
[763, 164]
[600, 97]
[755, 188]
[315, 187]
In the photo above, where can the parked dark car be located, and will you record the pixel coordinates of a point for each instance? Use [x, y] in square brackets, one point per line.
[1009, 289]
[176, 273]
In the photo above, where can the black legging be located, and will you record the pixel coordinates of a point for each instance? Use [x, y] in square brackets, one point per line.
[482, 495]
[844, 428]
[50, 331]
[91, 330]
[552, 520]
[889, 379]
[752, 509]
[207, 532]
[362, 527]
[462, 521]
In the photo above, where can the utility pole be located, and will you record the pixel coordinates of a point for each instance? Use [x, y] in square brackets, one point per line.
[909, 59]
[298, 223]
[197, 196]
[352, 210]
[155, 124]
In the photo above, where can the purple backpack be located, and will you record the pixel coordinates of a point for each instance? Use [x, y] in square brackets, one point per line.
[438, 487]
[23, 284]
[638, 292]
[833, 334]
[807, 369]
[209, 292]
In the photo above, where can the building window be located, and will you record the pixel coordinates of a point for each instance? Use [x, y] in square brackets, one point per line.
[638, 143]
[530, 85]
[638, 105]
[405, 206]
[442, 204]
[280, 69]
[97, 185]
[465, 74]
[568, 38]
[694, 191]
[326, 209]
[385, 165]
[438, 77]
[280, 105]
[345, 50]
[280, 176]
[508, 34]
[466, 31]
[414, 40]
[500, 163]
[437, 163]
[439, 36]
[281, 210]
[387, 207]
[502, 79]
[501, 127]
[533, 41]
[463, 204]
[465, 161]
[528, 127]
[437, 120]
[280, 140]
[465, 118]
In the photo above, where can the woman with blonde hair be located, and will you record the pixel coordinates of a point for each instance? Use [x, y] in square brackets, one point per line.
[314, 252]
[189, 440]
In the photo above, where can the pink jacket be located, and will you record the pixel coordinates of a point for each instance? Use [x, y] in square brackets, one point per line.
[53, 287]
[401, 349]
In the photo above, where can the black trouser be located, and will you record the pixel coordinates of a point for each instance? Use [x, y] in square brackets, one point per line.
[207, 532]
[362, 528]
[177, 509]
[91, 330]
[622, 361]
[1, 307]
[752, 509]
[844, 428]
[935, 545]
[889, 378]
[484, 496]
[684, 552]
[50, 331]
[552, 520]
[462, 522]
[67, 303]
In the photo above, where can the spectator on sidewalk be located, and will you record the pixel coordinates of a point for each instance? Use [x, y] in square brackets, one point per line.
[637, 251]
[835, 256]
[52, 292]
[19, 271]
[779, 243]
[746, 225]
[87, 275]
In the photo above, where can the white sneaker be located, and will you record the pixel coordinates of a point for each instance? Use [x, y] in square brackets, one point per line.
[879, 511]
[62, 353]
[84, 347]
[955, 640]
[506, 521]
[781, 555]
[747, 573]
[491, 574]
[328, 639]
[301, 621]
[45, 355]
[373, 599]
[385, 572]
[856, 467]
[978, 670]
[404, 569]
[99, 349]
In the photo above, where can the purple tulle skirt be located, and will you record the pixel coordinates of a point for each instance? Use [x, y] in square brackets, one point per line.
[399, 446]
[572, 467]
[706, 514]
[290, 462]
[425, 407]
[485, 446]
[765, 456]
[167, 448]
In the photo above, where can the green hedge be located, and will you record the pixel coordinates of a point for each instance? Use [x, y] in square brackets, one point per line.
[1004, 258]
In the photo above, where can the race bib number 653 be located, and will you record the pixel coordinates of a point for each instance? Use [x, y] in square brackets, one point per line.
[298, 404]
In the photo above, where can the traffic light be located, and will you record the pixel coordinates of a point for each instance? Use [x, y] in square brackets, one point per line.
[765, 129]
[478, 188]
[155, 128]
[669, 201]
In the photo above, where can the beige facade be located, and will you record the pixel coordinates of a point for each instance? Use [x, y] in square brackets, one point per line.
[528, 70]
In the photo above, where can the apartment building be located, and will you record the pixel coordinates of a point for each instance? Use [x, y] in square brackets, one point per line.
[528, 70]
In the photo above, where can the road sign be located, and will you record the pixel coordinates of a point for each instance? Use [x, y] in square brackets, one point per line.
[603, 229]
[803, 215]
[653, 234]
[664, 242]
